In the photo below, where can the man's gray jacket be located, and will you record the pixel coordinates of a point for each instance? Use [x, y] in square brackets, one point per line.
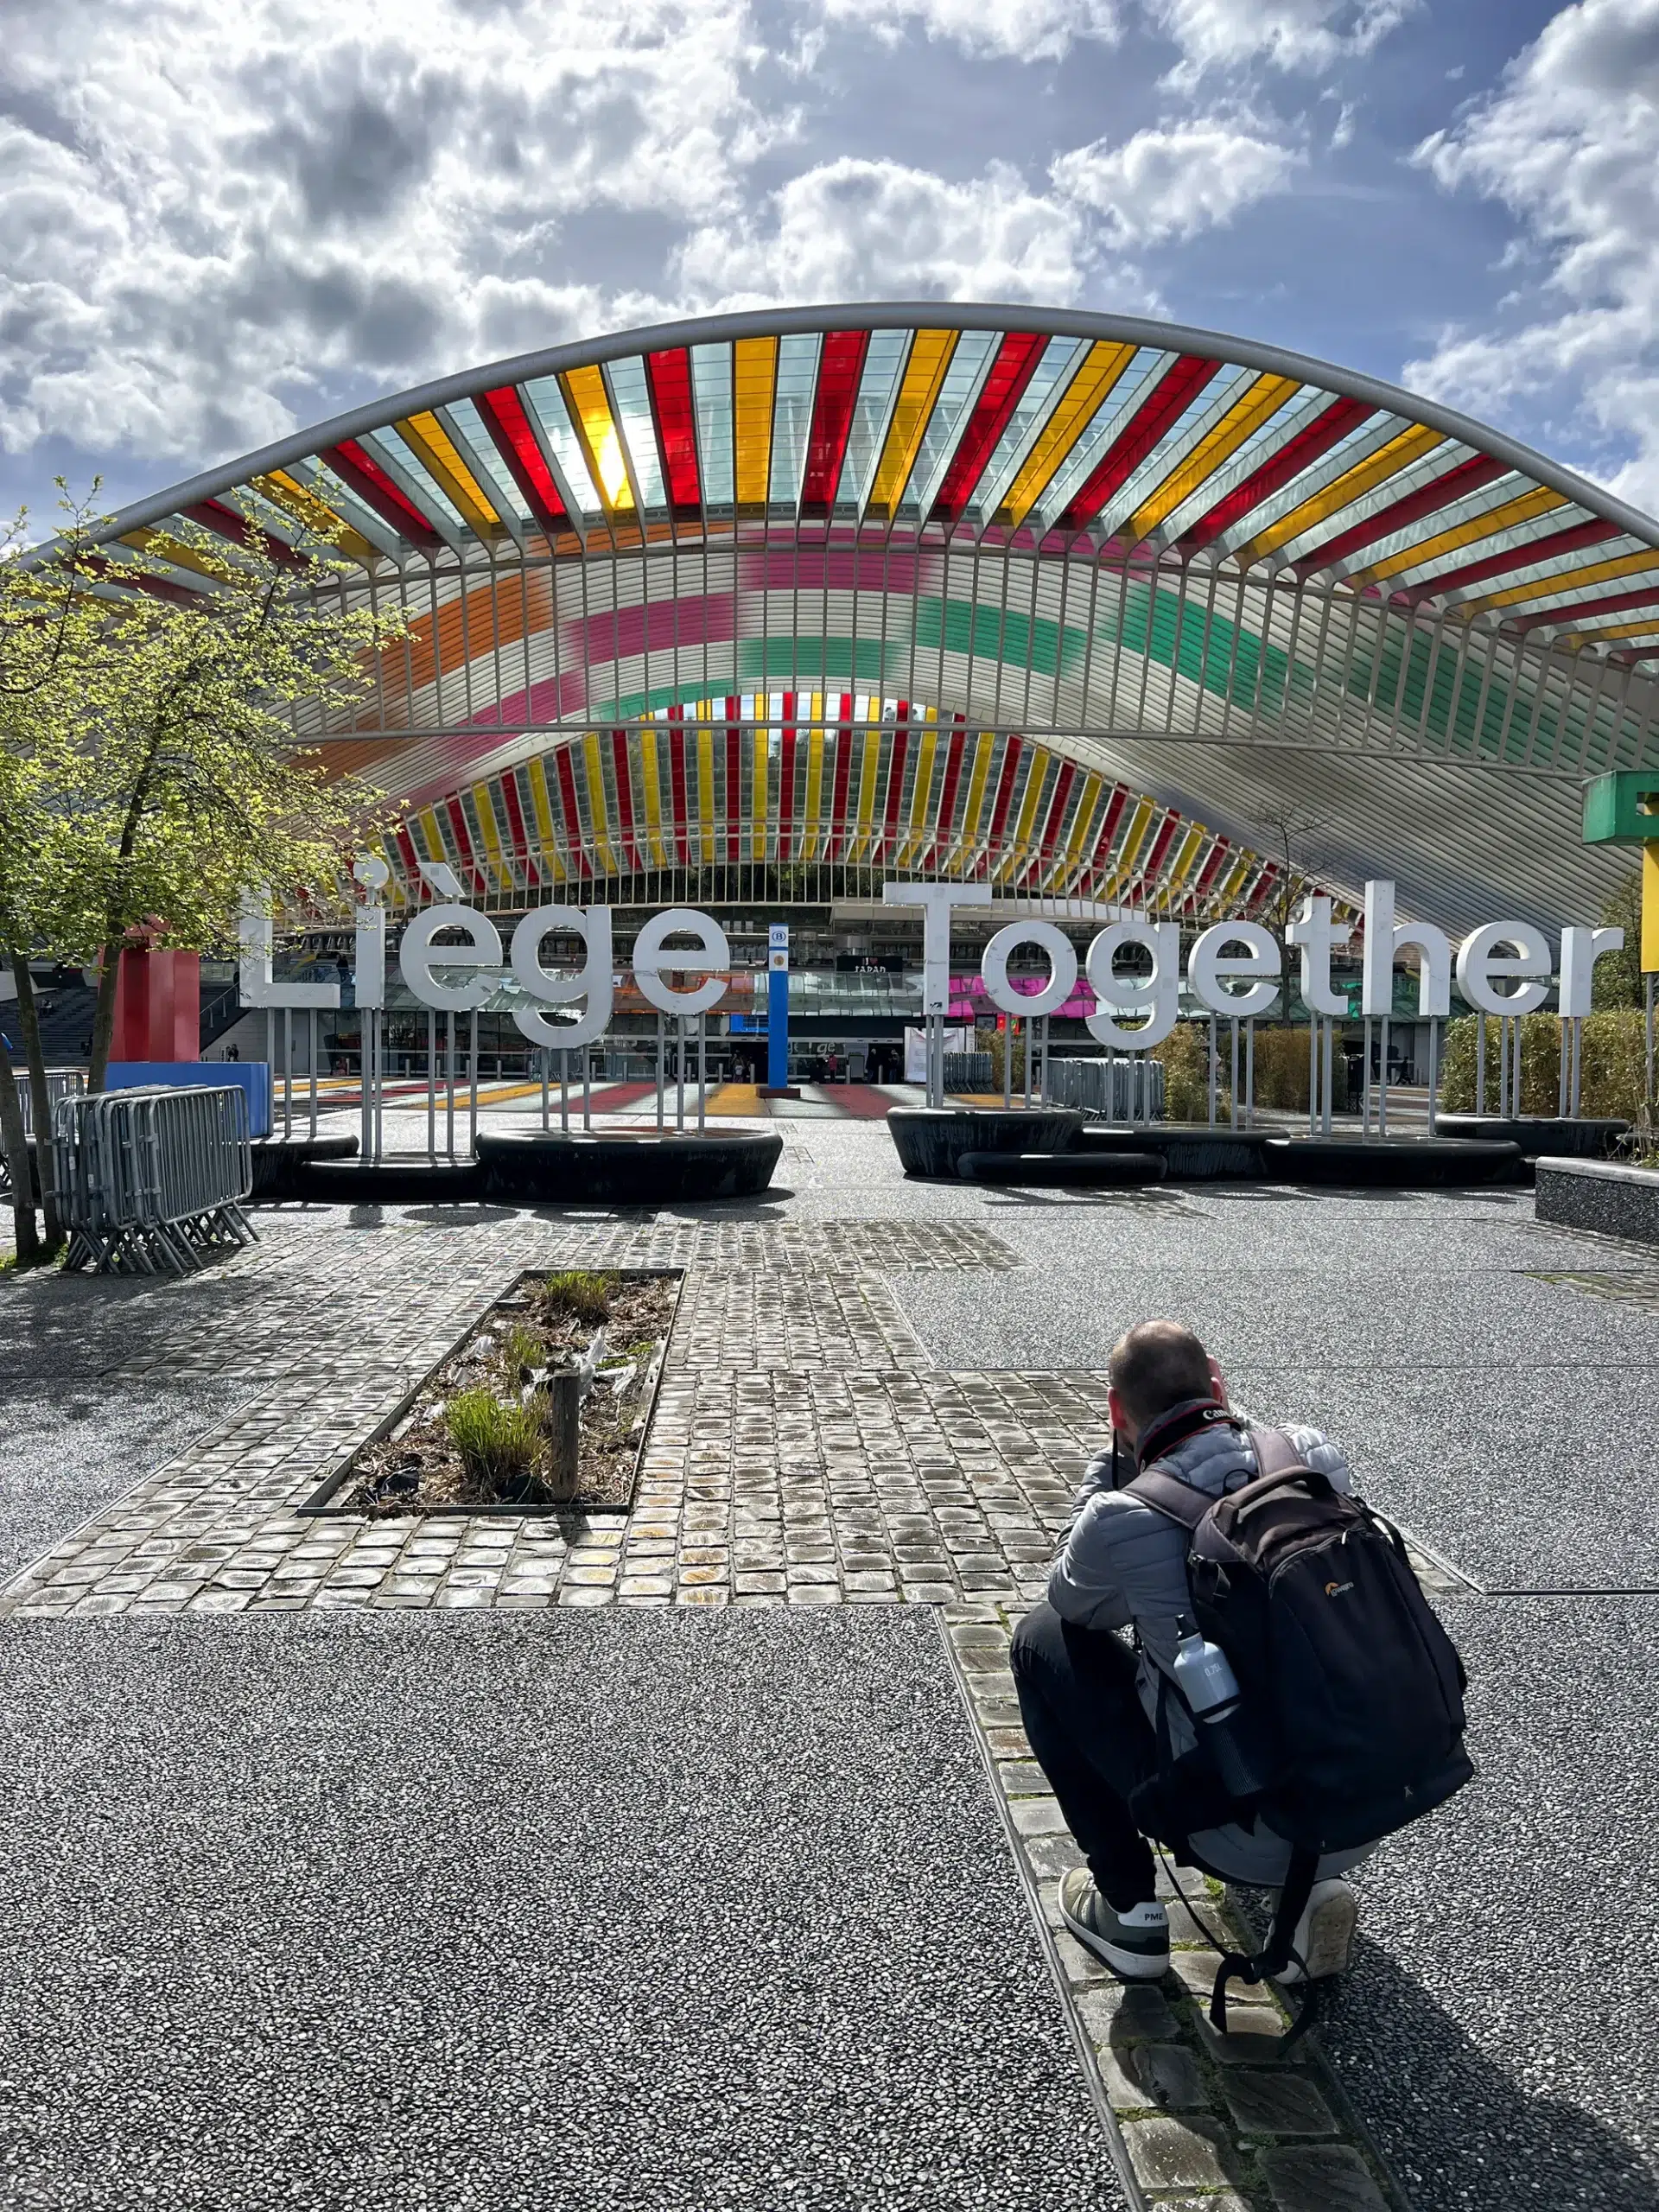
[1123, 1564]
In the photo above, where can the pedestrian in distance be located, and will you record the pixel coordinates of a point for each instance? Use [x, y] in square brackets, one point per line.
[1234, 1659]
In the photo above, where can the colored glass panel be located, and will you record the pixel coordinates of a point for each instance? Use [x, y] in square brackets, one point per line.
[971, 364]
[1627, 564]
[670, 397]
[1016, 361]
[358, 470]
[1260, 401]
[416, 482]
[1309, 444]
[225, 522]
[884, 366]
[1390, 460]
[464, 426]
[1059, 356]
[502, 413]
[832, 417]
[838, 823]
[1588, 610]
[545, 400]
[630, 408]
[1076, 406]
[753, 379]
[602, 441]
[431, 447]
[1507, 516]
[925, 371]
[1466, 477]
[1163, 406]
[1554, 545]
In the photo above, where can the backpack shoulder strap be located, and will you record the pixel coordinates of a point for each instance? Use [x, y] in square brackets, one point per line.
[1168, 1495]
[1274, 1453]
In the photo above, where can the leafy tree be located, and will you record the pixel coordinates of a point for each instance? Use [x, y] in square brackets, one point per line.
[1618, 978]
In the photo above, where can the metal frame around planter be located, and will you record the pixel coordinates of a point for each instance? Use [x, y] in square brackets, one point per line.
[319, 1502]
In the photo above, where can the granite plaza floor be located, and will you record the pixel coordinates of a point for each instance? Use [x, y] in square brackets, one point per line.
[717, 1873]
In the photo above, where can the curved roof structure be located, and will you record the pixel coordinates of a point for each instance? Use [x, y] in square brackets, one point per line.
[1083, 604]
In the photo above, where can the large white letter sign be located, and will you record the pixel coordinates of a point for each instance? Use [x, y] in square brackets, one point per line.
[417, 957]
[1383, 939]
[1313, 932]
[1063, 964]
[1580, 950]
[935, 900]
[1478, 961]
[1207, 963]
[649, 960]
[1157, 995]
[593, 926]
[258, 985]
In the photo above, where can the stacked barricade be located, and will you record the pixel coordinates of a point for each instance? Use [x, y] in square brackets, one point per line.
[68, 1083]
[968, 1073]
[1126, 1090]
[152, 1181]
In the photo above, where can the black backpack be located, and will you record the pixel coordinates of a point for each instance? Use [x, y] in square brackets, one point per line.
[1350, 1692]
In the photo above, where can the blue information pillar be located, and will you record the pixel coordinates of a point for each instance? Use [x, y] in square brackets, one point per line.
[778, 1006]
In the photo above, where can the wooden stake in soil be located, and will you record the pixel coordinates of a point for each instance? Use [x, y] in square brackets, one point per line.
[564, 1430]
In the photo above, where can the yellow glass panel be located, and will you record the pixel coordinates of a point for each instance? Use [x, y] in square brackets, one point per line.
[426, 822]
[590, 410]
[754, 373]
[930, 357]
[1625, 564]
[1649, 628]
[542, 810]
[1187, 855]
[760, 754]
[650, 792]
[1021, 844]
[598, 809]
[870, 762]
[1387, 461]
[706, 780]
[287, 493]
[1081, 822]
[1526, 508]
[1079, 403]
[925, 755]
[164, 549]
[978, 779]
[433, 447]
[1124, 869]
[814, 806]
[1257, 404]
[484, 807]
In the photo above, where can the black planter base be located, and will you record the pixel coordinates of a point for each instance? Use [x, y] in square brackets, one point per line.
[1193, 1152]
[648, 1168]
[1393, 1163]
[277, 1161]
[1539, 1136]
[930, 1140]
[1087, 1170]
[393, 1183]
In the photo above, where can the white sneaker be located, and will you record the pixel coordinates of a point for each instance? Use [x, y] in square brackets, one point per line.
[1324, 1934]
[1135, 1944]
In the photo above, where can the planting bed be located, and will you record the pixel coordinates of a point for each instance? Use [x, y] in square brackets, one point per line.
[430, 1457]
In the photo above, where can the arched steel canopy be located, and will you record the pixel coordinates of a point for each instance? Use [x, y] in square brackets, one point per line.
[955, 589]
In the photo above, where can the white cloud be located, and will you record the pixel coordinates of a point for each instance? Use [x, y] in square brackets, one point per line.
[1570, 143]
[849, 229]
[206, 212]
[1021, 30]
[1310, 35]
[1173, 183]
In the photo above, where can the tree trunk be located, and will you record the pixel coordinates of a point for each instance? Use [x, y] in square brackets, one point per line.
[28, 1021]
[15, 1145]
[103, 1017]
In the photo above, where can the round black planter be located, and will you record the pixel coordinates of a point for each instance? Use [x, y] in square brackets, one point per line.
[278, 1160]
[930, 1140]
[1393, 1163]
[1193, 1152]
[627, 1169]
[1063, 1170]
[1541, 1136]
[390, 1183]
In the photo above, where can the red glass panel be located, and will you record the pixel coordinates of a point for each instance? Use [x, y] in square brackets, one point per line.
[948, 794]
[733, 777]
[843, 775]
[669, 379]
[1458, 483]
[1163, 406]
[1016, 357]
[504, 417]
[786, 777]
[1161, 845]
[1586, 610]
[521, 842]
[575, 845]
[839, 370]
[361, 472]
[1309, 444]
[677, 783]
[1004, 794]
[225, 523]
[896, 779]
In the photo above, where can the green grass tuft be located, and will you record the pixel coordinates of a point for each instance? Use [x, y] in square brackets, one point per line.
[499, 1440]
[579, 1292]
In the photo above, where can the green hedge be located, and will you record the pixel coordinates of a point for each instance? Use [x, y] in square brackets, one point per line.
[1611, 1065]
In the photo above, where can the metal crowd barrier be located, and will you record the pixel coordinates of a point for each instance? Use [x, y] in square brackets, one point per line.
[967, 1072]
[60, 1082]
[151, 1181]
[1126, 1090]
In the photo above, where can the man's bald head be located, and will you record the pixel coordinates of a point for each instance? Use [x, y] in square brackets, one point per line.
[1155, 1365]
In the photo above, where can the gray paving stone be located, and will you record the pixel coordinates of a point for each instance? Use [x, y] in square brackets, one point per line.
[1319, 2177]
[1276, 2101]
[1178, 2153]
[1164, 2076]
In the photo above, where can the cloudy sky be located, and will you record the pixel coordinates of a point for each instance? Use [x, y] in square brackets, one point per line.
[219, 222]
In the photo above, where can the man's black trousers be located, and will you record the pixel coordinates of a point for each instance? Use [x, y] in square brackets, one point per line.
[1089, 1735]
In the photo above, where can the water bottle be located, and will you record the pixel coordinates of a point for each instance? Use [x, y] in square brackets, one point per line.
[1211, 1688]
